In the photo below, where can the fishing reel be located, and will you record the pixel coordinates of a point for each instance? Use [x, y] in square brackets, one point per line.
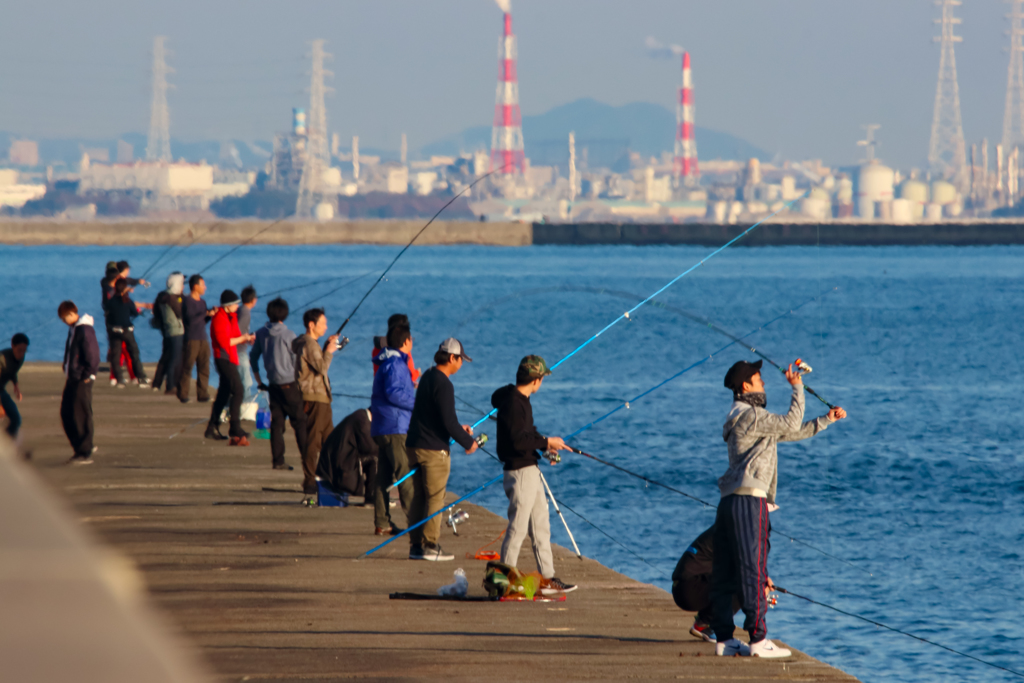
[553, 457]
[803, 367]
[456, 518]
[773, 600]
[481, 440]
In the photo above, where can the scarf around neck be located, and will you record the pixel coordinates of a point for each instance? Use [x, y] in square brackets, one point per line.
[758, 399]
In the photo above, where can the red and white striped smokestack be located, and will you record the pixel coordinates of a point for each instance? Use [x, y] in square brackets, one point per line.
[507, 134]
[686, 144]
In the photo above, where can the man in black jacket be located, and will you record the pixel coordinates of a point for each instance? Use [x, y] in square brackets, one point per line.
[432, 426]
[81, 361]
[518, 443]
[348, 458]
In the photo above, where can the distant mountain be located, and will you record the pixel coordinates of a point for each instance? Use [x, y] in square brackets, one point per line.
[606, 131]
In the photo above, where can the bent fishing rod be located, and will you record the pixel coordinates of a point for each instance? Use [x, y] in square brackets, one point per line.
[900, 631]
[654, 482]
[239, 246]
[414, 238]
[705, 359]
[195, 238]
[677, 278]
[626, 405]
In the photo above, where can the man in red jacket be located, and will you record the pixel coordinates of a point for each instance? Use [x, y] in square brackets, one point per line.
[226, 337]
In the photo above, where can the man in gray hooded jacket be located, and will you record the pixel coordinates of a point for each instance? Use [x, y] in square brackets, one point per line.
[748, 494]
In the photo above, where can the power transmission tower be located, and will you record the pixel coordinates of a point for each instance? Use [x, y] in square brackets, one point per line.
[158, 146]
[318, 157]
[1013, 118]
[947, 154]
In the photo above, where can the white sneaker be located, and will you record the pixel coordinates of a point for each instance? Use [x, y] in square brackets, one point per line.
[732, 648]
[113, 382]
[769, 650]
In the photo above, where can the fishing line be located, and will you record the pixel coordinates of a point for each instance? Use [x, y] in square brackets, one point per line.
[654, 482]
[312, 284]
[901, 632]
[677, 278]
[339, 287]
[415, 237]
[617, 542]
[195, 239]
[707, 358]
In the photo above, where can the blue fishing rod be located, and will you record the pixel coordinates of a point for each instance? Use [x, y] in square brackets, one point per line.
[677, 278]
[710, 325]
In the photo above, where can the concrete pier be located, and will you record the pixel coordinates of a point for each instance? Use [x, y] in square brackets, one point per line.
[264, 589]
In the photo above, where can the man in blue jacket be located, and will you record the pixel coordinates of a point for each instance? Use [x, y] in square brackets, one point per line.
[391, 408]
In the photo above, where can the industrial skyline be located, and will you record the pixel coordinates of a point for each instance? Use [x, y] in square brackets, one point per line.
[240, 94]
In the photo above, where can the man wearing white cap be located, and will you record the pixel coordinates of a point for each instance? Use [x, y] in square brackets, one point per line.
[433, 425]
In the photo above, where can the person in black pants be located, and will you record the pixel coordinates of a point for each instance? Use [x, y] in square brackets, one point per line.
[691, 584]
[121, 312]
[274, 345]
[226, 337]
[81, 361]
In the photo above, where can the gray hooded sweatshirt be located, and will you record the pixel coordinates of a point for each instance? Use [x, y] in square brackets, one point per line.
[753, 434]
[274, 344]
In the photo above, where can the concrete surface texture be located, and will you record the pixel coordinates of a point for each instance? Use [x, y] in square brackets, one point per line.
[138, 232]
[266, 589]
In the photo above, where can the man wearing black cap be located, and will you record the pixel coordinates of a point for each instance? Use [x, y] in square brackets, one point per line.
[432, 426]
[226, 338]
[748, 495]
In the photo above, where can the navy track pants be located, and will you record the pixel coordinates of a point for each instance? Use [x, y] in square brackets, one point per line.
[740, 565]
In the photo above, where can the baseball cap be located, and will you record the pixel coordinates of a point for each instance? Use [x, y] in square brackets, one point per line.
[532, 367]
[454, 346]
[739, 373]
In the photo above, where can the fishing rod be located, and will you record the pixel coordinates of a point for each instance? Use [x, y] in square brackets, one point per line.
[168, 250]
[240, 245]
[195, 239]
[677, 278]
[654, 482]
[626, 405]
[716, 328]
[414, 238]
[900, 631]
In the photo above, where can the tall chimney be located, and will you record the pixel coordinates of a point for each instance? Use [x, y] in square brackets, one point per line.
[686, 146]
[507, 134]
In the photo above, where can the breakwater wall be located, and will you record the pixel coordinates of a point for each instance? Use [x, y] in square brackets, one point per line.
[508, 234]
[141, 232]
[784, 234]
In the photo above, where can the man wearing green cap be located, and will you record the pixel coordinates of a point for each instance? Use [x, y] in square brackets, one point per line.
[518, 443]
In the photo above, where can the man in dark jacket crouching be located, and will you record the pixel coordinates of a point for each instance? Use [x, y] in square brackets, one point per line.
[348, 459]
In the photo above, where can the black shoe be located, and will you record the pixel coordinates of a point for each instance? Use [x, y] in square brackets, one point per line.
[283, 466]
[185, 400]
[214, 434]
[557, 586]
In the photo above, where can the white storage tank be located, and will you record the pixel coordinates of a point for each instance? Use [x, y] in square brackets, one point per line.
[324, 211]
[874, 184]
[817, 208]
[902, 211]
[933, 212]
[943, 193]
[917, 193]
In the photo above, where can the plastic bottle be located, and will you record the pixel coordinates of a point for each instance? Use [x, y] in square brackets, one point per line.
[457, 588]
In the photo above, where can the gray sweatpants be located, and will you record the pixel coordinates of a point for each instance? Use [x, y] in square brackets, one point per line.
[527, 514]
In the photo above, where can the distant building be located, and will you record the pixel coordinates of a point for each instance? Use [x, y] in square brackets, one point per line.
[24, 153]
[160, 186]
[125, 152]
[15, 195]
[101, 154]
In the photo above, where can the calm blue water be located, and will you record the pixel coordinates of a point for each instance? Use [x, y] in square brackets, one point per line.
[923, 486]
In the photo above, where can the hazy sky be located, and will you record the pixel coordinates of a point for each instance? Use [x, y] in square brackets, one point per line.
[795, 77]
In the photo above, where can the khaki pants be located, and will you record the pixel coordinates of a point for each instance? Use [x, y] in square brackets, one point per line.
[196, 353]
[527, 516]
[429, 487]
[319, 425]
[392, 465]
